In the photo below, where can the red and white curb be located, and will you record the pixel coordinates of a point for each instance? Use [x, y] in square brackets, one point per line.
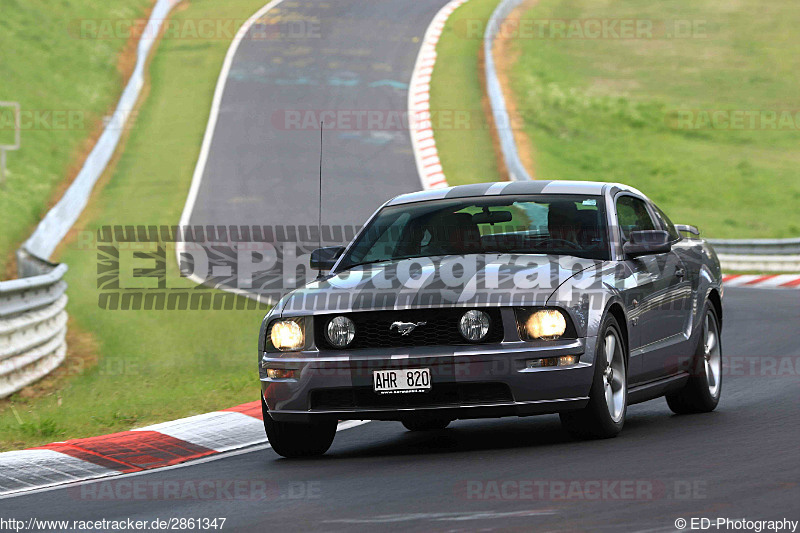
[146, 448]
[130, 452]
[429, 166]
[771, 281]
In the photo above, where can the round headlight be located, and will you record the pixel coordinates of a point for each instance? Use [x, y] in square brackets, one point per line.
[474, 325]
[340, 331]
[287, 335]
[547, 324]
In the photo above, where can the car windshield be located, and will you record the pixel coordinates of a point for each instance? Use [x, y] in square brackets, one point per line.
[531, 224]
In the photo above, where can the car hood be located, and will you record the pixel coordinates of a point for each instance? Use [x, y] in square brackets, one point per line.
[470, 280]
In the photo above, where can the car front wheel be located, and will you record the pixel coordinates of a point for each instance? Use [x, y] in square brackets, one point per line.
[295, 439]
[701, 393]
[604, 415]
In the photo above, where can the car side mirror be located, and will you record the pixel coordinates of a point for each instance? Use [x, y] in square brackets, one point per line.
[647, 242]
[688, 229]
[325, 258]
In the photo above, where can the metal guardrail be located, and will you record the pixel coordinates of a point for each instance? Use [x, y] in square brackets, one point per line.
[58, 221]
[33, 328]
[502, 122]
[759, 263]
[756, 246]
[33, 316]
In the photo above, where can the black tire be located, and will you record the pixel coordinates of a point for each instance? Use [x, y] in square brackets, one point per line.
[425, 424]
[595, 421]
[295, 439]
[696, 395]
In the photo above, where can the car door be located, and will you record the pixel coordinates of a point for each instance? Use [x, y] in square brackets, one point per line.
[684, 294]
[651, 298]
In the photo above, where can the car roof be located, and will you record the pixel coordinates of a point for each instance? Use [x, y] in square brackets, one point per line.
[509, 188]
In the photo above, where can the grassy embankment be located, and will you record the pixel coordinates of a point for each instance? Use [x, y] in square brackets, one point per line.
[463, 137]
[65, 82]
[632, 110]
[153, 365]
[637, 110]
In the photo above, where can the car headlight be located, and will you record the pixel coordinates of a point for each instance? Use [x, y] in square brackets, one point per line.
[474, 325]
[547, 324]
[287, 335]
[340, 331]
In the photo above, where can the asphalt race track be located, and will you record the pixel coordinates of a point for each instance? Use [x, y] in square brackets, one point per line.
[347, 56]
[513, 474]
[741, 461]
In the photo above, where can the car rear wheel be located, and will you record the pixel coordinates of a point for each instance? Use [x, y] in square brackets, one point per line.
[425, 424]
[604, 415]
[295, 439]
[701, 393]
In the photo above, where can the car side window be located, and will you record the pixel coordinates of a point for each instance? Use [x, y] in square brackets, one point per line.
[666, 223]
[632, 215]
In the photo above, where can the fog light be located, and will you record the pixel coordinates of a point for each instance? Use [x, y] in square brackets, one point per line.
[279, 373]
[340, 331]
[564, 360]
[567, 360]
[474, 325]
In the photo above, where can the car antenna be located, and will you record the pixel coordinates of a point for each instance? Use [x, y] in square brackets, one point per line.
[319, 227]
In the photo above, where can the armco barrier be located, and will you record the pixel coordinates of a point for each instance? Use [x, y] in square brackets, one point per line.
[57, 222]
[33, 317]
[33, 328]
[759, 263]
[756, 246]
[502, 122]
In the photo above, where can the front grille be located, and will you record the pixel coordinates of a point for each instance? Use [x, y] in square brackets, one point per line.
[441, 327]
[441, 394]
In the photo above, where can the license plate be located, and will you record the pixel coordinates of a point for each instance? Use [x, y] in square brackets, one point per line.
[401, 381]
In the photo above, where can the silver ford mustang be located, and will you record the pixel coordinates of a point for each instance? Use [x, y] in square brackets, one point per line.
[496, 299]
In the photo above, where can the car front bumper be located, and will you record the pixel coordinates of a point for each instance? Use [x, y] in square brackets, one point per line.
[476, 381]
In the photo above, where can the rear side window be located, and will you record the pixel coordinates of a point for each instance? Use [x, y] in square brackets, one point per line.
[632, 215]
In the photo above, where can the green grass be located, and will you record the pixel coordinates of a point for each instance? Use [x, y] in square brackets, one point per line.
[154, 365]
[49, 69]
[465, 148]
[606, 109]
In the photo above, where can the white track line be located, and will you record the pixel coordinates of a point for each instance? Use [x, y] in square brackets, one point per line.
[422, 141]
[202, 159]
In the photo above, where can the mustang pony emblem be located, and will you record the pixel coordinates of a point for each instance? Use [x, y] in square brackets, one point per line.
[404, 328]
